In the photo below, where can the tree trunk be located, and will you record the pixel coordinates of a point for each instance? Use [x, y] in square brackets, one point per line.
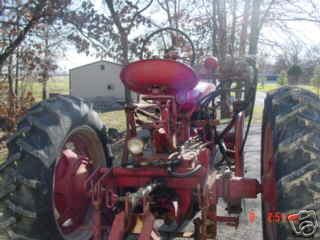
[16, 86]
[255, 29]
[222, 29]
[244, 29]
[44, 90]
[125, 61]
[215, 50]
[46, 65]
[166, 8]
[11, 92]
[222, 45]
[124, 41]
[233, 28]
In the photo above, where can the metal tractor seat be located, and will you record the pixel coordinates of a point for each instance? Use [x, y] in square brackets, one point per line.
[166, 77]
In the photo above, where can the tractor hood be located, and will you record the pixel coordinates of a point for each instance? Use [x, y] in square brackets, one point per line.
[158, 77]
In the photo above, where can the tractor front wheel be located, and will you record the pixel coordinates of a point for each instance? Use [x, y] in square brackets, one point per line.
[58, 144]
[290, 162]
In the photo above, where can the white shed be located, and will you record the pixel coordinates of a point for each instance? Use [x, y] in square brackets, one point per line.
[98, 82]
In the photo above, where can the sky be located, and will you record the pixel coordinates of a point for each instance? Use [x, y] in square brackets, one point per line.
[306, 31]
[73, 59]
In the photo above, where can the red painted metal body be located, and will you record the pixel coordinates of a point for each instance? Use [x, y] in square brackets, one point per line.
[76, 170]
[158, 77]
[233, 188]
[178, 169]
[188, 100]
[211, 64]
[268, 179]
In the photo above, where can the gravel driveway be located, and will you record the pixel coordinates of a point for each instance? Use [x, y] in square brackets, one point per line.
[246, 229]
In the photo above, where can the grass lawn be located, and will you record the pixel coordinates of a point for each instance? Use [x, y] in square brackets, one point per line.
[268, 87]
[114, 119]
[3, 155]
[58, 84]
[272, 86]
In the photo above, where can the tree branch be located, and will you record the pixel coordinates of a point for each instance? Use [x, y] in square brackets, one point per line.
[266, 13]
[115, 16]
[296, 19]
[14, 44]
[38, 14]
[137, 14]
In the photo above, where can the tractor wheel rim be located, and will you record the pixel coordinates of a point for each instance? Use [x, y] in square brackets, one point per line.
[268, 177]
[81, 154]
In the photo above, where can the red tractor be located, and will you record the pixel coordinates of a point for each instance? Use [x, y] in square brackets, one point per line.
[180, 156]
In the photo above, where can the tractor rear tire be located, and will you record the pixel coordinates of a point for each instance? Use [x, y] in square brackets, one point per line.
[27, 176]
[290, 163]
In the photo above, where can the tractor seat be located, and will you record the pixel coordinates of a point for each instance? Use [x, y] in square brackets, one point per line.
[188, 100]
[158, 76]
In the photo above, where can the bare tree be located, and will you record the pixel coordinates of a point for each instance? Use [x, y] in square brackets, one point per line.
[170, 7]
[125, 19]
[244, 28]
[222, 29]
[255, 27]
[234, 6]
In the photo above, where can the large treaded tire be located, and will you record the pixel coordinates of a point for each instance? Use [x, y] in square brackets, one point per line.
[27, 175]
[294, 117]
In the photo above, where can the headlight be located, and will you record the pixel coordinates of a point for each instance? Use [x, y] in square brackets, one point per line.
[135, 146]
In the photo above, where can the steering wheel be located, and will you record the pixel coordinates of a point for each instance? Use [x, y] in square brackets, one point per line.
[181, 47]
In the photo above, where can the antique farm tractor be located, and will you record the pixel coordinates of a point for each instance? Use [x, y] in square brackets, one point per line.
[183, 153]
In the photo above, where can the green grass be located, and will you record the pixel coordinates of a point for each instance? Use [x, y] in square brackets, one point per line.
[272, 86]
[58, 84]
[114, 119]
[3, 155]
[310, 88]
[268, 87]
